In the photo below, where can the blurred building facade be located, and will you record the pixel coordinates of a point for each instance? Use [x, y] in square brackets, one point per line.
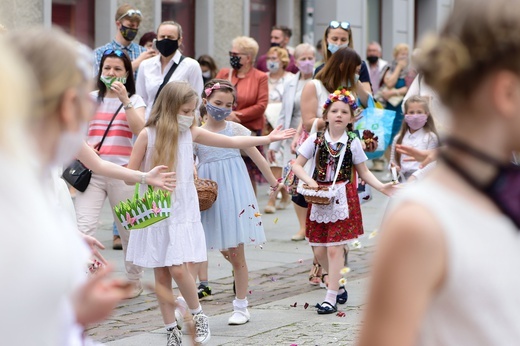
[210, 25]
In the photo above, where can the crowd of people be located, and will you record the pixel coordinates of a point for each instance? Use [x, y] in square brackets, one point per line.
[148, 115]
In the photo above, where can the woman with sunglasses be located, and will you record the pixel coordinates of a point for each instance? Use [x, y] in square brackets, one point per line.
[339, 34]
[116, 95]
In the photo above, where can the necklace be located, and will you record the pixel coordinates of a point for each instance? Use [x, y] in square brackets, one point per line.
[333, 152]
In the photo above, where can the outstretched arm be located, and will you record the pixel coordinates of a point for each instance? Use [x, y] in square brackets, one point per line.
[371, 180]
[262, 164]
[209, 138]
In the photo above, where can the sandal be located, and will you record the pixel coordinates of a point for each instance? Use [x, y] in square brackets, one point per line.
[324, 283]
[343, 297]
[326, 308]
[315, 274]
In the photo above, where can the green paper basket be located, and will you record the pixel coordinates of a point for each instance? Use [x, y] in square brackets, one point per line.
[140, 212]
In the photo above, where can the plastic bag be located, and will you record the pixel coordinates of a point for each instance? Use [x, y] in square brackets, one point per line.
[380, 122]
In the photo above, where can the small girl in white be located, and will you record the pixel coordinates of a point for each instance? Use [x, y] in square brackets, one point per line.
[417, 131]
[168, 245]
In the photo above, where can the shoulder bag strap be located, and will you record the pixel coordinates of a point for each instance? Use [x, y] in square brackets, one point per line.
[108, 127]
[168, 76]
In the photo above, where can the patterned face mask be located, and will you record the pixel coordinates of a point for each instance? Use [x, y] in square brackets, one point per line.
[217, 113]
[108, 81]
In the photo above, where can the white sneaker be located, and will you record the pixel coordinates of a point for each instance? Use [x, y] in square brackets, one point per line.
[202, 333]
[239, 317]
[179, 319]
[174, 337]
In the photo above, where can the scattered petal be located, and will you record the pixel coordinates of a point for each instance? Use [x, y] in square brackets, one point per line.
[252, 240]
[356, 244]
[340, 314]
[300, 260]
[250, 292]
[305, 306]
[275, 221]
[259, 224]
[242, 212]
[294, 305]
[342, 282]
[345, 270]
[273, 278]
[373, 234]
[253, 206]
[261, 247]
[258, 214]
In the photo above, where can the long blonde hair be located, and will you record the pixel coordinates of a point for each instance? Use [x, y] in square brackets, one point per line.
[163, 118]
[428, 127]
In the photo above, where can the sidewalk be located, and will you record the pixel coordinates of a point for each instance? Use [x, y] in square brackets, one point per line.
[278, 279]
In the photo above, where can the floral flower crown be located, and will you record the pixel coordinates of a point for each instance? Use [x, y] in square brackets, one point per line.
[342, 95]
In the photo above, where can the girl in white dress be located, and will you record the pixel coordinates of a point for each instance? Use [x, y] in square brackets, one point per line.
[168, 245]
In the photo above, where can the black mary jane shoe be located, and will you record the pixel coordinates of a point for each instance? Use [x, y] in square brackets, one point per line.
[326, 308]
[343, 297]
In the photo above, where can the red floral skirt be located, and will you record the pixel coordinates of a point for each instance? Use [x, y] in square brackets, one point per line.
[339, 232]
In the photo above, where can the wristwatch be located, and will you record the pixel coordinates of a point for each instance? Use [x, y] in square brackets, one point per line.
[129, 105]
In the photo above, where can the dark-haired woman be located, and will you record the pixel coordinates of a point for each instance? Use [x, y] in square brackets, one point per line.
[116, 93]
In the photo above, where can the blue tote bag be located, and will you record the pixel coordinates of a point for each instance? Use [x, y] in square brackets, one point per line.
[380, 122]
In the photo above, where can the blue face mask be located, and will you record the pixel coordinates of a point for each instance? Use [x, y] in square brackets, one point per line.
[217, 113]
[356, 78]
[333, 48]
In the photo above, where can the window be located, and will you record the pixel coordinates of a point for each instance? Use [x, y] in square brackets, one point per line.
[76, 17]
[263, 18]
[182, 12]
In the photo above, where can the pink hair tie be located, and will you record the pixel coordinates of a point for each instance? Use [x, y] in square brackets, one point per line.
[208, 91]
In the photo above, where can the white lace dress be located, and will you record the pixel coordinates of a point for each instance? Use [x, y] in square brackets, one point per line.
[179, 238]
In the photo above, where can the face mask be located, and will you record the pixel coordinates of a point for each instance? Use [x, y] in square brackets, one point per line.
[504, 188]
[184, 121]
[273, 66]
[275, 44]
[217, 113]
[166, 46]
[333, 48]
[69, 144]
[356, 78]
[128, 33]
[415, 121]
[306, 66]
[206, 74]
[234, 61]
[108, 81]
[372, 59]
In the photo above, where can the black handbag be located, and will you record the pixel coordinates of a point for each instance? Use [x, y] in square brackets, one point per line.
[76, 174]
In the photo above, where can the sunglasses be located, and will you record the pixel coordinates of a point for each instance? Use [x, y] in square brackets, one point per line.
[131, 13]
[335, 24]
[116, 52]
[236, 54]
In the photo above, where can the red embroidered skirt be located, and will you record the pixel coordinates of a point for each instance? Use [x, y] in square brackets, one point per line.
[339, 232]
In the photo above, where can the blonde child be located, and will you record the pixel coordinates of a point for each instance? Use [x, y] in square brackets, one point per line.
[417, 131]
[330, 227]
[233, 220]
[167, 246]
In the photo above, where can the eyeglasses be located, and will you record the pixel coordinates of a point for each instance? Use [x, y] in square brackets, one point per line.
[116, 52]
[236, 54]
[335, 24]
[131, 13]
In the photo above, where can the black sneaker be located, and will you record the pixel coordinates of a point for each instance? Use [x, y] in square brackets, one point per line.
[205, 292]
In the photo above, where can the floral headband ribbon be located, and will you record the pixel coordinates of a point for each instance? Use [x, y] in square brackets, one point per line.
[345, 96]
[209, 90]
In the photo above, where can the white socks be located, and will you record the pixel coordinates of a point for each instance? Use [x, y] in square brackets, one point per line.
[240, 304]
[331, 297]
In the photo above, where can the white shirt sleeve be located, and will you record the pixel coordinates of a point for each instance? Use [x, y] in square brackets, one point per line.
[140, 84]
[308, 147]
[137, 101]
[358, 154]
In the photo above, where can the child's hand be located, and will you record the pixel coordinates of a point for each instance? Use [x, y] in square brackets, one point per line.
[158, 177]
[273, 191]
[271, 156]
[388, 189]
[95, 246]
[234, 116]
[313, 183]
[294, 145]
[278, 134]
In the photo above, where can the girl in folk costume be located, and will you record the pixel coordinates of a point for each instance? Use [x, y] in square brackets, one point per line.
[169, 245]
[335, 153]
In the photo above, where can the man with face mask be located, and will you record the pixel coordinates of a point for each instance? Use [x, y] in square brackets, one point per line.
[280, 37]
[376, 65]
[128, 19]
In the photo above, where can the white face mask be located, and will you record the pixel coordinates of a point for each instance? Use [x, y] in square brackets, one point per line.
[206, 74]
[185, 121]
[69, 145]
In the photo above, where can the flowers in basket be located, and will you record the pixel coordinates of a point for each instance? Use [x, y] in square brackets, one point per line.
[141, 212]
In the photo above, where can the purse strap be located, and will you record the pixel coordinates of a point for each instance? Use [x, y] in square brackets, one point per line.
[167, 77]
[343, 150]
[108, 127]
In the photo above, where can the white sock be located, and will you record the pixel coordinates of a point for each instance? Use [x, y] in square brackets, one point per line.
[182, 306]
[170, 326]
[331, 297]
[240, 304]
[198, 310]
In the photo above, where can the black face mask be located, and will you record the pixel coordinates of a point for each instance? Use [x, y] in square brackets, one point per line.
[166, 46]
[128, 33]
[372, 59]
[275, 44]
[234, 61]
[504, 188]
